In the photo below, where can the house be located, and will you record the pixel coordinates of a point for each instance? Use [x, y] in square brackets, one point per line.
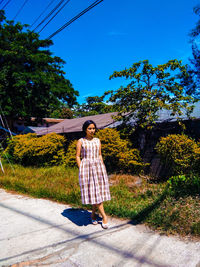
[72, 128]
[19, 125]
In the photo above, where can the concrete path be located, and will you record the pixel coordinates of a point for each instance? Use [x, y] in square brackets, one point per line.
[38, 232]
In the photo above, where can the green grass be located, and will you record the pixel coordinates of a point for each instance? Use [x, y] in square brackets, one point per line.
[56, 183]
[149, 203]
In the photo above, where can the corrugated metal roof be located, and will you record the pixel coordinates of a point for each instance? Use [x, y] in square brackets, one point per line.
[164, 115]
[106, 120]
[75, 125]
[48, 120]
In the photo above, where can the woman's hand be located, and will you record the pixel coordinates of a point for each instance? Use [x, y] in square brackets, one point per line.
[78, 153]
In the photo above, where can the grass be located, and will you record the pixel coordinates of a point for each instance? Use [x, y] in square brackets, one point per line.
[132, 197]
[56, 183]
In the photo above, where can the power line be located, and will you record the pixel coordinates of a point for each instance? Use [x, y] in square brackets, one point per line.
[42, 13]
[20, 9]
[50, 13]
[1, 2]
[75, 18]
[6, 4]
[54, 16]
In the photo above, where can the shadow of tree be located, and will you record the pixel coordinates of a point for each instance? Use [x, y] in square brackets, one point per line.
[143, 214]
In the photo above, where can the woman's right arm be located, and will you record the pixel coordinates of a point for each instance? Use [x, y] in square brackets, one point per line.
[78, 153]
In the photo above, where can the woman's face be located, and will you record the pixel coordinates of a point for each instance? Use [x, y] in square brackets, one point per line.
[90, 131]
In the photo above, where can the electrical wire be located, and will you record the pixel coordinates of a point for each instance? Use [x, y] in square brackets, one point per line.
[54, 15]
[42, 13]
[50, 13]
[20, 9]
[6, 4]
[75, 18]
[1, 2]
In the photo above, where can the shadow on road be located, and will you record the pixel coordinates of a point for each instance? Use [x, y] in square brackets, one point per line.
[79, 217]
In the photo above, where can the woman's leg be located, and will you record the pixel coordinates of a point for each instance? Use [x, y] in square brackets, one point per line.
[102, 212]
[93, 216]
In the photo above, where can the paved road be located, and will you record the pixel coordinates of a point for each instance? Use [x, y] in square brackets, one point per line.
[38, 232]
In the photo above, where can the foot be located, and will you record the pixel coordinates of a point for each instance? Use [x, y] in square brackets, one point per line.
[94, 222]
[104, 220]
[104, 225]
[93, 219]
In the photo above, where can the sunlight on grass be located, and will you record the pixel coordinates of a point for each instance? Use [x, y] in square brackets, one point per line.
[133, 197]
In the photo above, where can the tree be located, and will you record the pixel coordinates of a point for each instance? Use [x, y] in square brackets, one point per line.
[94, 105]
[32, 81]
[62, 113]
[150, 90]
[192, 81]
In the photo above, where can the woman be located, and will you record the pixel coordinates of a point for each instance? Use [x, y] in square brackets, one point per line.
[93, 178]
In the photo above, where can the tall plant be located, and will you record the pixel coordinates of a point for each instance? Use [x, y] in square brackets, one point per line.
[151, 89]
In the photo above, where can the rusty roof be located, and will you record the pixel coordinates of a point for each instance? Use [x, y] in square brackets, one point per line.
[75, 125]
[48, 119]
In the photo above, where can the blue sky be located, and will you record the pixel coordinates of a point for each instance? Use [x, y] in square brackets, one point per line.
[112, 36]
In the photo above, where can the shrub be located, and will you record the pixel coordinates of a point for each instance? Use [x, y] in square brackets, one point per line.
[30, 150]
[184, 185]
[117, 154]
[179, 153]
[70, 158]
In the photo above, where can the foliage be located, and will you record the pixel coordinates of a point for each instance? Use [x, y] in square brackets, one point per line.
[62, 113]
[94, 105]
[118, 154]
[30, 150]
[184, 185]
[32, 81]
[177, 215]
[150, 90]
[180, 153]
[192, 80]
[70, 160]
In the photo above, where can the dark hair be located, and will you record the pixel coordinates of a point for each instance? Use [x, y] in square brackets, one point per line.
[87, 123]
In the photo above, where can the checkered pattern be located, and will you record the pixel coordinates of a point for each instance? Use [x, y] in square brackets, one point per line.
[93, 178]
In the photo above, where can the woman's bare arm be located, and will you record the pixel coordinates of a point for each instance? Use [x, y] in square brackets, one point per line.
[78, 153]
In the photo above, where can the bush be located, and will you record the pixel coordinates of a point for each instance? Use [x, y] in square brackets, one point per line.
[184, 185]
[118, 156]
[30, 150]
[180, 154]
[70, 158]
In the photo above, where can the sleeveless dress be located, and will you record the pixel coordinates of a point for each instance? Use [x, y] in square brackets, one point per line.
[93, 177]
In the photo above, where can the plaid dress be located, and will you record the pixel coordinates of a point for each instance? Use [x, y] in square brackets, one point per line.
[93, 177]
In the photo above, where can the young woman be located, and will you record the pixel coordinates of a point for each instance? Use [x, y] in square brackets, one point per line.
[93, 178]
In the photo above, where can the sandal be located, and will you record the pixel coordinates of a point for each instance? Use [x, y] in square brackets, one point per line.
[94, 222]
[104, 225]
